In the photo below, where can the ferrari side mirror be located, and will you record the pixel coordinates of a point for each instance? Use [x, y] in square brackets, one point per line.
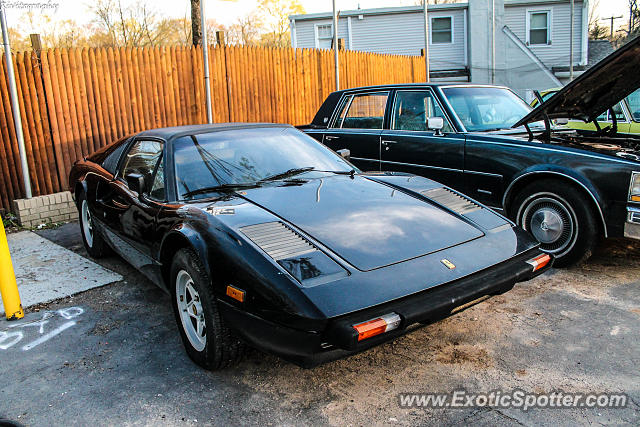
[135, 182]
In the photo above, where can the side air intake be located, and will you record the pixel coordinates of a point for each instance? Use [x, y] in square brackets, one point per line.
[445, 197]
[277, 240]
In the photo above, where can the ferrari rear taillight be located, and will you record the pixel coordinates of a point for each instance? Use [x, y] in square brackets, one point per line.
[377, 326]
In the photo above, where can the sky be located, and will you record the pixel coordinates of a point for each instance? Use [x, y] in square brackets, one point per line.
[227, 11]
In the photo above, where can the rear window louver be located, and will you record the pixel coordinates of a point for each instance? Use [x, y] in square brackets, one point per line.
[277, 240]
[457, 203]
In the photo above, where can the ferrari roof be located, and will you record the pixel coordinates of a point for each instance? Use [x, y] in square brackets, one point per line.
[178, 131]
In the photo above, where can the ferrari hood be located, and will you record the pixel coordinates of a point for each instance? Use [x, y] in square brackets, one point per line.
[598, 89]
[367, 223]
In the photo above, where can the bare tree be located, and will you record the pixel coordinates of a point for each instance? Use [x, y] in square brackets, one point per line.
[594, 17]
[634, 18]
[196, 25]
[245, 31]
[134, 25]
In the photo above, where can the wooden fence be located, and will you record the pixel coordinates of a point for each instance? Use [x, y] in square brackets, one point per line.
[74, 101]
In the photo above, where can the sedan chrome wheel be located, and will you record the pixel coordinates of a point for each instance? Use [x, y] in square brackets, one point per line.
[87, 225]
[190, 310]
[552, 222]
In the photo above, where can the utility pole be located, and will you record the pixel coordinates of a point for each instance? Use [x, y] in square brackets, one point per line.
[426, 39]
[612, 18]
[493, 42]
[205, 56]
[335, 45]
[15, 107]
[571, 44]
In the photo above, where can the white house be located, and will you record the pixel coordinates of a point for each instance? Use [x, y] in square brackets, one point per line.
[531, 38]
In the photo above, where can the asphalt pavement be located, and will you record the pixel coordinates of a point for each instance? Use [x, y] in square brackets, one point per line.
[113, 355]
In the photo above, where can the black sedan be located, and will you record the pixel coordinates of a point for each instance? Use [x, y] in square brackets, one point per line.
[566, 187]
[262, 235]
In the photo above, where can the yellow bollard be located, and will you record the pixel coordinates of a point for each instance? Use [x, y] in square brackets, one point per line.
[8, 285]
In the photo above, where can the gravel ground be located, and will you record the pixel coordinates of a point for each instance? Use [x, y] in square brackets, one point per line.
[574, 330]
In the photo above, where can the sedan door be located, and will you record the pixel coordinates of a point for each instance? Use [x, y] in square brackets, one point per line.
[409, 146]
[357, 127]
[130, 217]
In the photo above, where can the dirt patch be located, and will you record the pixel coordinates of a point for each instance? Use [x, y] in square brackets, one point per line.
[458, 354]
[103, 327]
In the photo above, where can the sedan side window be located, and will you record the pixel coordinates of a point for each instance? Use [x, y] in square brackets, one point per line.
[365, 111]
[413, 108]
[142, 158]
[633, 101]
[617, 110]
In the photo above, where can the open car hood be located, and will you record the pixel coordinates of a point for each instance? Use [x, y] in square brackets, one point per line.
[595, 91]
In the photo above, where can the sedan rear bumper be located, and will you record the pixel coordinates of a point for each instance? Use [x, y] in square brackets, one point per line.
[340, 339]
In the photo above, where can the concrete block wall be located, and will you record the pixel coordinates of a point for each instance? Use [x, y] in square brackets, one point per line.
[58, 207]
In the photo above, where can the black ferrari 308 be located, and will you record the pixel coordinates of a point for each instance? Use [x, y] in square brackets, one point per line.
[264, 236]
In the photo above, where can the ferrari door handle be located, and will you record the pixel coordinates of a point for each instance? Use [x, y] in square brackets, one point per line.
[331, 137]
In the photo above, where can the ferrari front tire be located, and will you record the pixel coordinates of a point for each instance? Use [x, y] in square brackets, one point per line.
[93, 241]
[206, 338]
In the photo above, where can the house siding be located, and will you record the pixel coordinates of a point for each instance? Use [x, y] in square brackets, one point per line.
[557, 53]
[397, 34]
[400, 31]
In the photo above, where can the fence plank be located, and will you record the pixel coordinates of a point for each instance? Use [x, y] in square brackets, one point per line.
[6, 121]
[28, 127]
[32, 68]
[75, 101]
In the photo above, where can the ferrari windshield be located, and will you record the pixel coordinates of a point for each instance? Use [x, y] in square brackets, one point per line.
[486, 108]
[209, 162]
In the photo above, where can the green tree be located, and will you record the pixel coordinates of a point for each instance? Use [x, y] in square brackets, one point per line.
[598, 32]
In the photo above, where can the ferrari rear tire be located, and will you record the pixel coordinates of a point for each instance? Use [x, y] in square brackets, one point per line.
[560, 218]
[93, 241]
[206, 338]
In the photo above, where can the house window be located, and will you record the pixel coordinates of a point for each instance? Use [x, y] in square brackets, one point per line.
[539, 28]
[324, 36]
[441, 30]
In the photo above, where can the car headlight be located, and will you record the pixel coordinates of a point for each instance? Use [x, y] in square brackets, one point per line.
[634, 187]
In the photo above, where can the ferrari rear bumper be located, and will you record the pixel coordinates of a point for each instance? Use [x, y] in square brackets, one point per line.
[340, 339]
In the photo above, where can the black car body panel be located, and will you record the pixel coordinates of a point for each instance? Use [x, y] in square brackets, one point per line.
[492, 166]
[370, 243]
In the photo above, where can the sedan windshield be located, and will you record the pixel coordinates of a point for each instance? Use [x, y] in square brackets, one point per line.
[486, 108]
[231, 159]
